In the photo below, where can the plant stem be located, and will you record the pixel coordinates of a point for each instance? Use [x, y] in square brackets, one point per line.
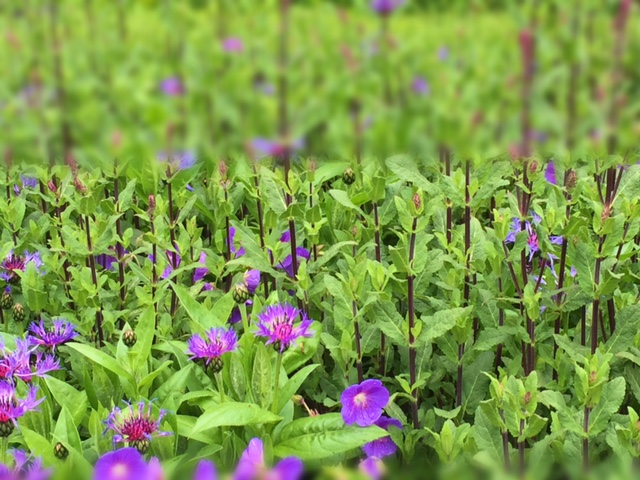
[500, 325]
[596, 303]
[94, 277]
[173, 258]
[220, 383]
[276, 386]
[264, 275]
[5, 447]
[521, 447]
[356, 326]
[119, 248]
[412, 349]
[446, 155]
[466, 291]
[585, 440]
[227, 223]
[383, 338]
[505, 445]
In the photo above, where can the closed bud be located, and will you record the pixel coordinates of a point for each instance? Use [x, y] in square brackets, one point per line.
[216, 365]
[6, 428]
[81, 188]
[52, 187]
[593, 377]
[241, 293]
[417, 201]
[152, 205]
[297, 400]
[73, 165]
[6, 301]
[572, 179]
[606, 212]
[349, 176]
[141, 445]
[312, 166]
[60, 451]
[527, 398]
[18, 312]
[223, 169]
[533, 167]
[129, 338]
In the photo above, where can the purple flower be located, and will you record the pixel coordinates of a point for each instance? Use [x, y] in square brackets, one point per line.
[277, 323]
[61, 333]
[154, 470]
[252, 280]
[286, 236]
[385, 7]
[135, 425]
[200, 272]
[178, 160]
[25, 468]
[443, 53]
[236, 314]
[14, 263]
[233, 45]
[252, 467]
[263, 147]
[25, 362]
[205, 471]
[372, 467]
[172, 86]
[383, 447]
[532, 243]
[123, 464]
[237, 252]
[550, 173]
[218, 342]
[573, 272]
[108, 261]
[174, 261]
[363, 403]
[12, 407]
[287, 264]
[27, 182]
[420, 86]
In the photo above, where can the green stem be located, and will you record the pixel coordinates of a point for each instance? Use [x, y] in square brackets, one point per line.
[245, 318]
[5, 446]
[274, 407]
[220, 386]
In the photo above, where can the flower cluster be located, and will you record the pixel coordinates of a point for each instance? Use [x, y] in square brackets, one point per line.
[278, 323]
[209, 350]
[135, 425]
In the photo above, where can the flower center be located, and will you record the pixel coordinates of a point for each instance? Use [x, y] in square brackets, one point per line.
[136, 428]
[360, 399]
[119, 470]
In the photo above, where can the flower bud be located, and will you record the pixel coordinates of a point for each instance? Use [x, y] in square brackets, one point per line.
[572, 179]
[6, 301]
[52, 187]
[60, 451]
[18, 312]
[606, 212]
[533, 167]
[241, 293]
[152, 206]
[141, 445]
[593, 377]
[6, 428]
[349, 176]
[129, 338]
[223, 169]
[527, 398]
[81, 188]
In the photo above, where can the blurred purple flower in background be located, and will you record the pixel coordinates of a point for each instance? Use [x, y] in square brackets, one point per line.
[277, 323]
[178, 160]
[383, 447]
[172, 86]
[443, 53]
[26, 468]
[385, 7]
[12, 407]
[233, 45]
[372, 467]
[420, 86]
[123, 464]
[263, 147]
[363, 403]
[205, 470]
[60, 333]
[550, 173]
[252, 466]
[27, 182]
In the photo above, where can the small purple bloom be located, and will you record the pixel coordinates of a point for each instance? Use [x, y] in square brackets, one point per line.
[174, 261]
[236, 314]
[383, 447]
[135, 424]
[550, 173]
[218, 342]
[363, 403]
[178, 160]
[14, 263]
[154, 470]
[277, 323]
[252, 280]
[532, 243]
[205, 471]
[372, 467]
[263, 147]
[252, 466]
[443, 53]
[60, 333]
[420, 86]
[233, 45]
[26, 468]
[385, 7]
[573, 272]
[172, 86]
[12, 407]
[123, 464]
[286, 236]
[556, 239]
[287, 264]
[237, 252]
[200, 272]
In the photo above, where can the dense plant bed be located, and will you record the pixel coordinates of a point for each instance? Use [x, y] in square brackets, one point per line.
[321, 314]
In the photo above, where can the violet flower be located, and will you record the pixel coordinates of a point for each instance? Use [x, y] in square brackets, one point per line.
[172, 86]
[205, 471]
[420, 86]
[385, 7]
[372, 468]
[301, 254]
[123, 464]
[12, 407]
[363, 403]
[384, 446]
[154, 470]
[24, 362]
[233, 45]
[443, 53]
[27, 182]
[18, 263]
[26, 468]
[208, 350]
[135, 425]
[60, 333]
[550, 173]
[277, 323]
[178, 160]
[235, 252]
[263, 147]
[236, 314]
[252, 466]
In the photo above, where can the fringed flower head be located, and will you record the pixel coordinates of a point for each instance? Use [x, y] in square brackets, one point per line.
[12, 407]
[14, 263]
[60, 333]
[252, 465]
[135, 425]
[209, 350]
[172, 86]
[277, 323]
[123, 464]
[24, 362]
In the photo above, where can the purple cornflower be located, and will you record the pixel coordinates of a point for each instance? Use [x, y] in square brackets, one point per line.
[251, 279]
[277, 324]
[385, 7]
[172, 86]
[25, 362]
[263, 147]
[61, 333]
[383, 447]
[218, 341]
[363, 403]
[12, 407]
[123, 464]
[420, 85]
[550, 173]
[27, 182]
[372, 467]
[14, 263]
[178, 160]
[252, 467]
[135, 425]
[233, 45]
[205, 471]
[26, 468]
[532, 236]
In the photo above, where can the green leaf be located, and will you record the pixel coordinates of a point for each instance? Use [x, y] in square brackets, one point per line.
[406, 169]
[200, 315]
[100, 358]
[315, 438]
[438, 324]
[234, 414]
[67, 396]
[262, 377]
[627, 323]
[610, 401]
[290, 388]
[343, 199]
[488, 437]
